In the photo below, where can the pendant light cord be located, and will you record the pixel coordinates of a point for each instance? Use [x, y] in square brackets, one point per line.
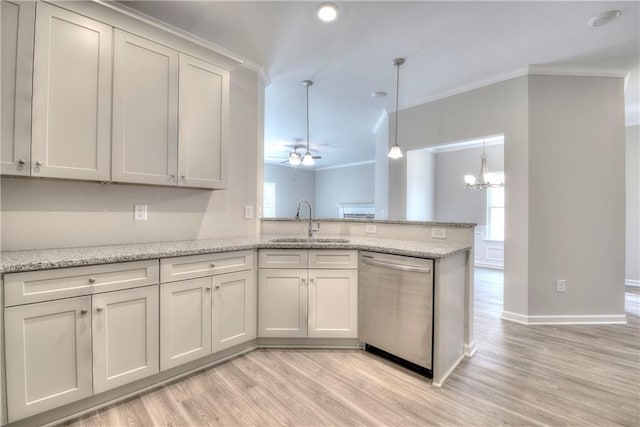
[307, 86]
[398, 63]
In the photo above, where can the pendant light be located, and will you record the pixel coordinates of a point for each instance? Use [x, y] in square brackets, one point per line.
[396, 152]
[307, 160]
[484, 179]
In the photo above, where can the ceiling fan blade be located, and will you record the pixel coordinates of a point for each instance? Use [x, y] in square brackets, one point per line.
[317, 157]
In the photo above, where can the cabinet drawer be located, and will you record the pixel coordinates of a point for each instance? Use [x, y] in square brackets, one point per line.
[193, 266]
[283, 258]
[35, 286]
[328, 258]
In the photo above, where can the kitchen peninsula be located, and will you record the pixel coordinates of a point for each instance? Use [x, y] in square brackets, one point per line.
[155, 284]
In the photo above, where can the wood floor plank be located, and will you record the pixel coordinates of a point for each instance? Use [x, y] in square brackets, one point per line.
[586, 375]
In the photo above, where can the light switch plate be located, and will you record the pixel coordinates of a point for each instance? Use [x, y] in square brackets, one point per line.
[248, 212]
[439, 233]
[140, 212]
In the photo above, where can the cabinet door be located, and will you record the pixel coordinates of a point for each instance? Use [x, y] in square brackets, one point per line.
[17, 67]
[333, 303]
[71, 133]
[145, 111]
[48, 355]
[282, 303]
[125, 336]
[185, 321]
[204, 123]
[234, 309]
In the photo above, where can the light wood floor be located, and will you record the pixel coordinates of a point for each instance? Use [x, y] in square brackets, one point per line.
[536, 375]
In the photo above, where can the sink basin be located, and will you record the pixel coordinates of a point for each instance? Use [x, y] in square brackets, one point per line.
[302, 240]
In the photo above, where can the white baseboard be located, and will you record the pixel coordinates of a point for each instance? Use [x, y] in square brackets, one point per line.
[630, 282]
[487, 265]
[470, 349]
[438, 382]
[606, 319]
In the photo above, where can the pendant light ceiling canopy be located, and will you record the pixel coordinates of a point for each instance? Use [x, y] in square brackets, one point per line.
[484, 179]
[396, 152]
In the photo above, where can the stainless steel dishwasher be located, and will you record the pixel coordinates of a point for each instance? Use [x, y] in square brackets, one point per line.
[396, 309]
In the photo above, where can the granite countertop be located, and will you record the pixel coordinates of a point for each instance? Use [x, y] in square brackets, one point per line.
[41, 259]
[381, 221]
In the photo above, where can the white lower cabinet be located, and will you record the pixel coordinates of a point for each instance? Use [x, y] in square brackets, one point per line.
[48, 355]
[317, 303]
[125, 337]
[282, 307]
[234, 309]
[333, 303]
[207, 314]
[185, 321]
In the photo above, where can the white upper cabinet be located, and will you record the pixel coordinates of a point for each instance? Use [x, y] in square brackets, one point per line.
[17, 66]
[71, 129]
[145, 111]
[203, 125]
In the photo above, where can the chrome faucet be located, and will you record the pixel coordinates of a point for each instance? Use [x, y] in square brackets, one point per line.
[311, 229]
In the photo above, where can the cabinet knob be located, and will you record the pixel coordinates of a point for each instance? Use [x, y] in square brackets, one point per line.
[312, 280]
[99, 309]
[217, 286]
[173, 175]
[84, 311]
[213, 265]
[207, 289]
[22, 162]
[304, 279]
[183, 176]
[92, 280]
[38, 163]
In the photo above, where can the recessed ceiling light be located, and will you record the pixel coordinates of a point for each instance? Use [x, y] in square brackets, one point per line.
[379, 94]
[327, 12]
[604, 18]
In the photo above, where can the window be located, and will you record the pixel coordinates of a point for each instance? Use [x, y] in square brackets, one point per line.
[269, 200]
[495, 214]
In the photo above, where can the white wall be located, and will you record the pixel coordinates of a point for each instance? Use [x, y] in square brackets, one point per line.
[501, 108]
[632, 234]
[41, 213]
[292, 185]
[576, 195]
[421, 175]
[343, 185]
[381, 133]
[453, 202]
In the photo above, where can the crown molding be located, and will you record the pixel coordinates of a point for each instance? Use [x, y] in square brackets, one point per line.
[498, 78]
[554, 70]
[346, 165]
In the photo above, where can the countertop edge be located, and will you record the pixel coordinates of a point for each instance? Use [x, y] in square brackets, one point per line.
[17, 267]
[379, 221]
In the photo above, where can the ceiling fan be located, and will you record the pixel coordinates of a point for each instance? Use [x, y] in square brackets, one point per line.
[294, 158]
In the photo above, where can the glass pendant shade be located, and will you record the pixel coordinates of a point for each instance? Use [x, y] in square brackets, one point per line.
[294, 159]
[395, 152]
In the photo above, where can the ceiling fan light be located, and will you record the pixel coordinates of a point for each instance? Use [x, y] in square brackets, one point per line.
[294, 161]
[395, 152]
[307, 160]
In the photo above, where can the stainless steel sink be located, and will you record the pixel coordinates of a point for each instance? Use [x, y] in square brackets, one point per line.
[303, 240]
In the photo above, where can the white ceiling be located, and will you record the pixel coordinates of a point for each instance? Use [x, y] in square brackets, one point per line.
[449, 46]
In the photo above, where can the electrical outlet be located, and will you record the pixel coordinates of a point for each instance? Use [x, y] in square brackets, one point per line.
[371, 228]
[248, 212]
[140, 212]
[561, 286]
[438, 233]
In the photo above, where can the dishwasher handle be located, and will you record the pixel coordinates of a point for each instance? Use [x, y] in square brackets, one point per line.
[367, 260]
